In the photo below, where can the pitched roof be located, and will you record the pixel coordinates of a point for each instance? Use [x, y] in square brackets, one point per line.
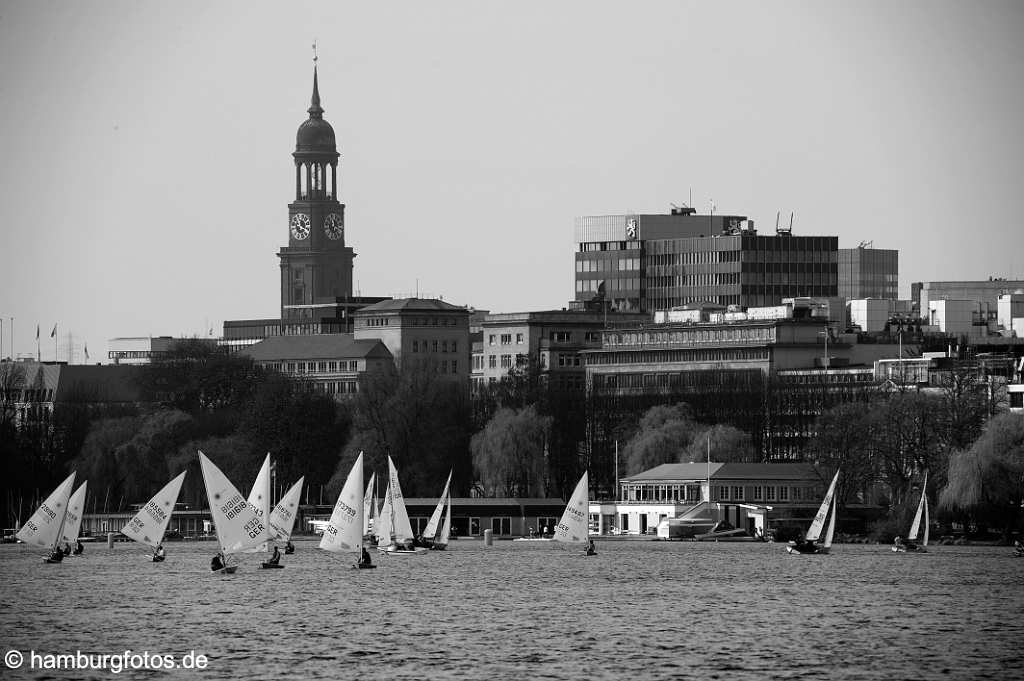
[411, 305]
[727, 471]
[322, 346]
[82, 382]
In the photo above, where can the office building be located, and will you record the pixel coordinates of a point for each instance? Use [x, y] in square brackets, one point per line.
[866, 272]
[646, 263]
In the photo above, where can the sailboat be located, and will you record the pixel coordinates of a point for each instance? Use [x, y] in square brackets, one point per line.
[440, 542]
[394, 531]
[574, 527]
[343, 533]
[922, 514]
[431, 535]
[73, 521]
[46, 526]
[370, 510]
[149, 525]
[808, 544]
[282, 518]
[259, 500]
[237, 524]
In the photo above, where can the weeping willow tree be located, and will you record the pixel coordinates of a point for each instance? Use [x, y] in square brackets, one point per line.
[986, 482]
[509, 453]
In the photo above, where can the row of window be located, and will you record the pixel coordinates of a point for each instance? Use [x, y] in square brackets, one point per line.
[506, 339]
[594, 246]
[743, 334]
[506, 361]
[33, 395]
[608, 264]
[691, 493]
[432, 346]
[320, 367]
[338, 387]
[616, 284]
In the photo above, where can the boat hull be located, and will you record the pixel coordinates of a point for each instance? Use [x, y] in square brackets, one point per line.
[807, 550]
[363, 566]
[271, 566]
[229, 570]
[909, 549]
[158, 559]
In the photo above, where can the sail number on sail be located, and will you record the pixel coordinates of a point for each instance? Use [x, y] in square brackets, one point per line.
[155, 512]
[234, 506]
[254, 527]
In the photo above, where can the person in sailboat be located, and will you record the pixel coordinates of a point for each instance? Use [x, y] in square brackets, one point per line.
[79, 549]
[1018, 548]
[591, 550]
[67, 549]
[159, 552]
[57, 555]
[276, 558]
[289, 548]
[364, 558]
[217, 562]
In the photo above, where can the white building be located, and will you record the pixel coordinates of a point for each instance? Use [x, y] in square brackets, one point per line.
[870, 314]
[955, 317]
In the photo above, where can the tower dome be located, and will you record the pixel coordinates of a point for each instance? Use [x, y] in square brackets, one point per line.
[315, 135]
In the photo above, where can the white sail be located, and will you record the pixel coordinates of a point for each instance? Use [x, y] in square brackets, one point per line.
[73, 520]
[435, 517]
[150, 523]
[575, 523]
[45, 526]
[259, 499]
[915, 527]
[382, 528]
[400, 525]
[282, 518]
[446, 525]
[344, 532]
[819, 520]
[924, 542]
[831, 524]
[368, 505]
[238, 527]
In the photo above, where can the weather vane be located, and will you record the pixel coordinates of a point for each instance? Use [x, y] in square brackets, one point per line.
[314, 52]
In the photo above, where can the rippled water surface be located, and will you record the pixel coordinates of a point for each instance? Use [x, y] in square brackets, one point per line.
[520, 610]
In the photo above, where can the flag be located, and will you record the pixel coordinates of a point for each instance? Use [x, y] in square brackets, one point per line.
[53, 334]
[37, 332]
[86, 352]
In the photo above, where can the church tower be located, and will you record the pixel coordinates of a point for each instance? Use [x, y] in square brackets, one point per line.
[316, 265]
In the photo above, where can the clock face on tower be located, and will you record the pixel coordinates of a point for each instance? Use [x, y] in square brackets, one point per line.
[334, 227]
[300, 226]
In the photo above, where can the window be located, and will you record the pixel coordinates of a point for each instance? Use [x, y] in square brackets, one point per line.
[783, 494]
[506, 339]
[737, 493]
[455, 365]
[455, 346]
[492, 361]
[519, 339]
[353, 365]
[797, 493]
[491, 339]
[769, 493]
[506, 361]
[758, 493]
[444, 346]
[723, 492]
[501, 526]
[433, 346]
[474, 527]
[415, 346]
[546, 525]
[561, 336]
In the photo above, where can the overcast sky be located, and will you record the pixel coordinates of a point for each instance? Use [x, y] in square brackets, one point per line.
[145, 148]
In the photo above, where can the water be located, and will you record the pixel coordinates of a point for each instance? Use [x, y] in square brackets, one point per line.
[521, 610]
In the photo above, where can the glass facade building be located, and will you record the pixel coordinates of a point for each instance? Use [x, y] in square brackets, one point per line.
[868, 273]
[657, 262]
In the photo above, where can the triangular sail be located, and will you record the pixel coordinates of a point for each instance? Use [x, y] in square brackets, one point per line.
[831, 523]
[259, 498]
[45, 526]
[150, 523]
[401, 527]
[282, 518]
[924, 542]
[915, 527]
[435, 517]
[382, 528]
[574, 525]
[819, 520]
[238, 527]
[344, 532]
[73, 521]
[446, 525]
[368, 505]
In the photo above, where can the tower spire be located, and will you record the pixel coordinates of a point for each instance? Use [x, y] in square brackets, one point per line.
[315, 110]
